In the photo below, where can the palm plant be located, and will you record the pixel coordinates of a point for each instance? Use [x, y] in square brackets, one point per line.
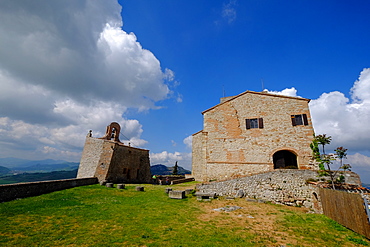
[323, 140]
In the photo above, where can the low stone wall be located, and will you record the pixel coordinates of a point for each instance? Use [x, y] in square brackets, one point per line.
[287, 187]
[167, 179]
[180, 181]
[10, 192]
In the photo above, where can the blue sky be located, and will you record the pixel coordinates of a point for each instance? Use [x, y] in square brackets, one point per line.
[154, 66]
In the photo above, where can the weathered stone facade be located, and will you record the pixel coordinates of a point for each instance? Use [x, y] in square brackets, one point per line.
[251, 133]
[113, 161]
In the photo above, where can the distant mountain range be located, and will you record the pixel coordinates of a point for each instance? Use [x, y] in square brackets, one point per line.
[14, 170]
[23, 164]
[37, 176]
[14, 166]
[4, 171]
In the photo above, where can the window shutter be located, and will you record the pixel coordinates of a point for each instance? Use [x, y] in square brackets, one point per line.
[248, 123]
[305, 121]
[260, 123]
[293, 120]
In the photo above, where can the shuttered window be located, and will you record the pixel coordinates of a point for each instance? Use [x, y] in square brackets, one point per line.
[300, 119]
[254, 123]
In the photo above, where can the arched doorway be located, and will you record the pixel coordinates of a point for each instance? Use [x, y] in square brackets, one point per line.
[285, 159]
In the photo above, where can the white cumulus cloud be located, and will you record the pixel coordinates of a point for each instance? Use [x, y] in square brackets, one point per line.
[67, 67]
[360, 164]
[287, 92]
[345, 119]
[169, 159]
[188, 141]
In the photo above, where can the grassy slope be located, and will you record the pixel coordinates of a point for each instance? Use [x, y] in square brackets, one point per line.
[100, 216]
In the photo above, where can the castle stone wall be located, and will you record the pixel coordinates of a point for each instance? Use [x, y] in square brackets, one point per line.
[199, 155]
[90, 157]
[129, 164]
[222, 171]
[287, 187]
[283, 186]
[113, 161]
[106, 154]
[229, 149]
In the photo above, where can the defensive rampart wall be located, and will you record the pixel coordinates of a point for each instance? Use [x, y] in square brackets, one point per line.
[10, 192]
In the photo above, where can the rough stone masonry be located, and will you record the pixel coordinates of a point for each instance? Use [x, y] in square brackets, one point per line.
[110, 160]
[251, 133]
[284, 186]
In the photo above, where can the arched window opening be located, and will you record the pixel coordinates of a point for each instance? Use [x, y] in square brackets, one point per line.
[285, 159]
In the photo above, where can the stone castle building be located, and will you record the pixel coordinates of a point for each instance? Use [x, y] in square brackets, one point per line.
[109, 159]
[252, 133]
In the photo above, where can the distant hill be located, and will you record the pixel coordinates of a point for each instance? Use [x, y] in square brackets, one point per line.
[4, 170]
[55, 175]
[48, 165]
[164, 170]
[38, 176]
[40, 170]
[12, 162]
[16, 162]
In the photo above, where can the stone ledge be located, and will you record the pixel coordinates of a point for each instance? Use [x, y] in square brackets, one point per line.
[10, 192]
[177, 194]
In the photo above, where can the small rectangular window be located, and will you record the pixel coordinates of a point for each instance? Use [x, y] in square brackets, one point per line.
[254, 123]
[300, 119]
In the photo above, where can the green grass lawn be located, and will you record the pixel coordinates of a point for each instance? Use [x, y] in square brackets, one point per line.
[99, 216]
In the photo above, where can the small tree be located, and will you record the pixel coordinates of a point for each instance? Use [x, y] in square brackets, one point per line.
[175, 169]
[327, 159]
[341, 153]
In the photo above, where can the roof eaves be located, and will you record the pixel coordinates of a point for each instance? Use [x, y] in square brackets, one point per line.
[260, 93]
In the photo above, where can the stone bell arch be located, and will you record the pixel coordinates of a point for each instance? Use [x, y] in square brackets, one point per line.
[112, 132]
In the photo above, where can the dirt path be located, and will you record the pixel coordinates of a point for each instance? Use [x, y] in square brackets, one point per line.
[260, 219]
